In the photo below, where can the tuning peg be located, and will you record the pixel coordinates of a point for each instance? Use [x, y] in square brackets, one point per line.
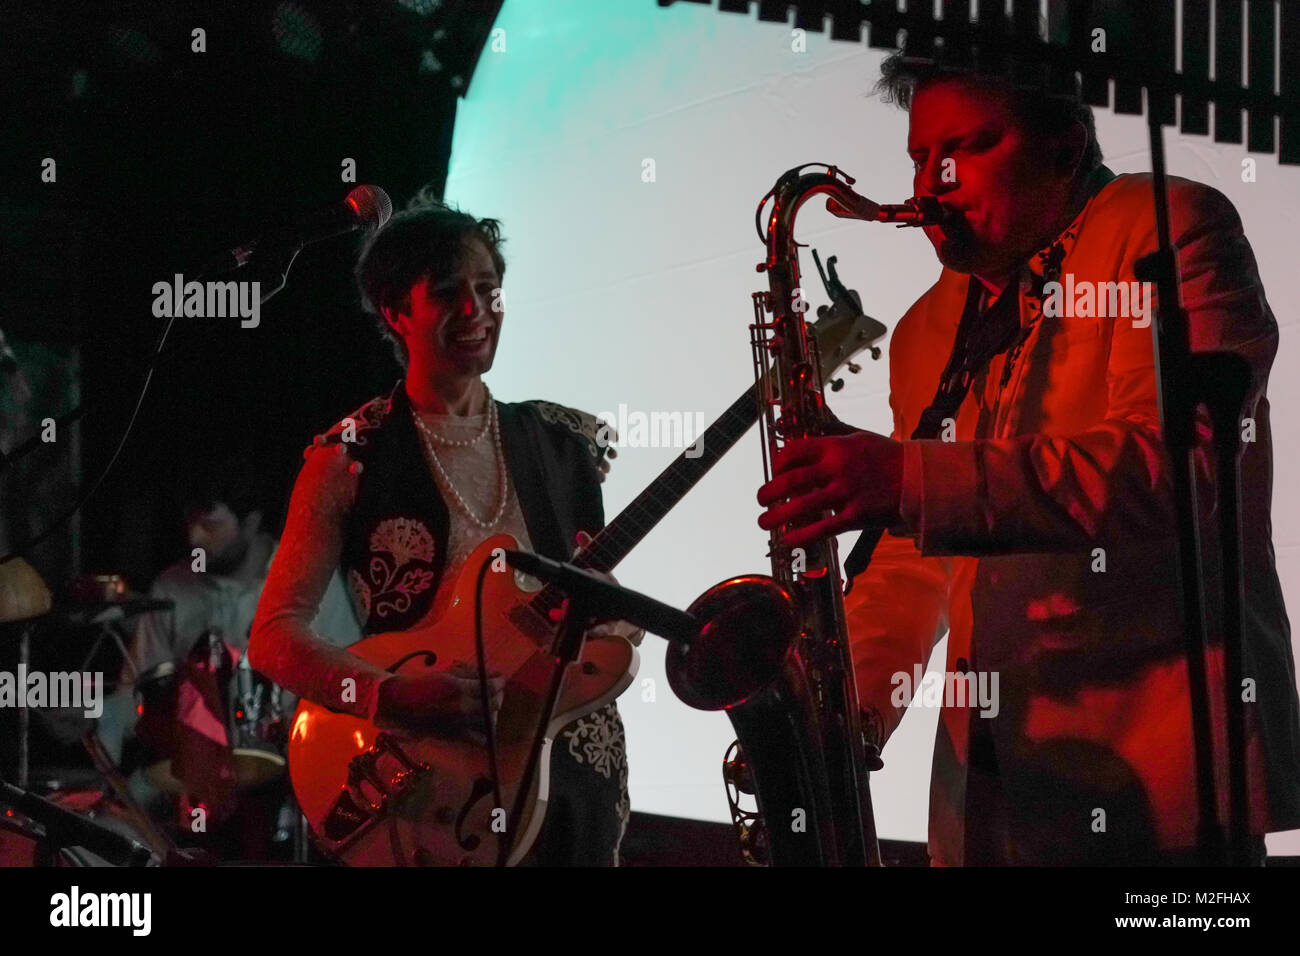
[875, 352]
[855, 368]
[837, 384]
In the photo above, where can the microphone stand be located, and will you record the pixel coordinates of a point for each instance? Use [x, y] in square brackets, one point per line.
[565, 649]
[277, 260]
[281, 275]
[64, 828]
[1222, 381]
[281, 260]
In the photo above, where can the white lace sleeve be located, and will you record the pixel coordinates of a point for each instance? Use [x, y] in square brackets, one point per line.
[282, 644]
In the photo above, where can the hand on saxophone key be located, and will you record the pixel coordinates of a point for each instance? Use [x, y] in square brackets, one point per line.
[856, 476]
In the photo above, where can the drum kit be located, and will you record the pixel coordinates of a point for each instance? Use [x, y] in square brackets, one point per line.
[210, 729]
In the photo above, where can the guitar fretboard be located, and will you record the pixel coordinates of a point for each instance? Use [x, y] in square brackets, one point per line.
[645, 511]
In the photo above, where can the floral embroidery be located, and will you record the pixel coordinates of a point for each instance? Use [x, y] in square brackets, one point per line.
[578, 422]
[360, 595]
[365, 419]
[404, 538]
[623, 806]
[400, 567]
[597, 739]
[1042, 268]
[369, 417]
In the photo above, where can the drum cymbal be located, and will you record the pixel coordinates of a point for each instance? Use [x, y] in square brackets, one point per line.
[23, 595]
[252, 769]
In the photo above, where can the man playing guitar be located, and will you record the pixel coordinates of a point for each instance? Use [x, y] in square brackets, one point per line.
[399, 494]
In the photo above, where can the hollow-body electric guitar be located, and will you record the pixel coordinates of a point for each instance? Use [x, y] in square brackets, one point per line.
[381, 798]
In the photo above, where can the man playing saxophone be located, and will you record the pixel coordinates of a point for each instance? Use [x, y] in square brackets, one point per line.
[1026, 494]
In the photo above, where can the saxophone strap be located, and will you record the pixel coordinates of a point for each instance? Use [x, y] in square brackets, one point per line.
[980, 337]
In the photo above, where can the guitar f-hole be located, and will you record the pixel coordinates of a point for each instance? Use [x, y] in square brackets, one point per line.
[430, 658]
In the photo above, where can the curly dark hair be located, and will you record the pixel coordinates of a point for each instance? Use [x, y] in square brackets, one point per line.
[427, 239]
[232, 479]
[1038, 113]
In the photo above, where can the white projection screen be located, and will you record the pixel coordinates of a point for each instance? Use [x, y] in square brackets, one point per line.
[625, 147]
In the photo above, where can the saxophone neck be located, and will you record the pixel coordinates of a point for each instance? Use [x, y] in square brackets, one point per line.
[795, 187]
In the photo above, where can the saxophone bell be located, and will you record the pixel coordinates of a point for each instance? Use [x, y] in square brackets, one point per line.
[750, 624]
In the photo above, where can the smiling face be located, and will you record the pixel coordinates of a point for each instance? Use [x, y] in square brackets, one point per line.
[1012, 191]
[451, 329]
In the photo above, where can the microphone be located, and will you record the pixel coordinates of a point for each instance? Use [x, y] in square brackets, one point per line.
[366, 207]
[611, 600]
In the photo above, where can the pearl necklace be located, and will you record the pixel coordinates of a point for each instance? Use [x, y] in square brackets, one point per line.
[488, 420]
[492, 425]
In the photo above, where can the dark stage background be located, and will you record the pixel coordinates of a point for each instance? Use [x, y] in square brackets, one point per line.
[164, 156]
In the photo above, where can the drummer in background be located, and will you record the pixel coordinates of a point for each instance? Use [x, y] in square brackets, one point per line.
[216, 589]
[223, 517]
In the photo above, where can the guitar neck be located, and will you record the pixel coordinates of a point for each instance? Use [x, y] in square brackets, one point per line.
[841, 334]
[635, 521]
[645, 511]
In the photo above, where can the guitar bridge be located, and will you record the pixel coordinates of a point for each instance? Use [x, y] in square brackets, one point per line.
[374, 787]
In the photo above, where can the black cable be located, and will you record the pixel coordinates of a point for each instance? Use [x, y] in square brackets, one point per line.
[152, 364]
[27, 447]
[157, 360]
[32, 542]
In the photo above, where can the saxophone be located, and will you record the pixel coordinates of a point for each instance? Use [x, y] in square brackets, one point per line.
[774, 651]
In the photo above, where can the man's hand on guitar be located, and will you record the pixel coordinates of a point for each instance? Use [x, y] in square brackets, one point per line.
[623, 629]
[445, 704]
[604, 462]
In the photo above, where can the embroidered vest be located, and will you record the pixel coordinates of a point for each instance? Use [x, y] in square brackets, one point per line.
[395, 537]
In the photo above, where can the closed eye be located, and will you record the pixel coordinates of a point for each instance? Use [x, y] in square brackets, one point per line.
[982, 143]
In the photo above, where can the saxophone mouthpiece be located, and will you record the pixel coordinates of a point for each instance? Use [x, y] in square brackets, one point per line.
[918, 211]
[853, 206]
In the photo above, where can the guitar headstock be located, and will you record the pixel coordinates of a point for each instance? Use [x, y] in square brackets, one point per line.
[843, 330]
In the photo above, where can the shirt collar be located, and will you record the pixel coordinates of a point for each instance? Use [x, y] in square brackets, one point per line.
[1045, 265]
